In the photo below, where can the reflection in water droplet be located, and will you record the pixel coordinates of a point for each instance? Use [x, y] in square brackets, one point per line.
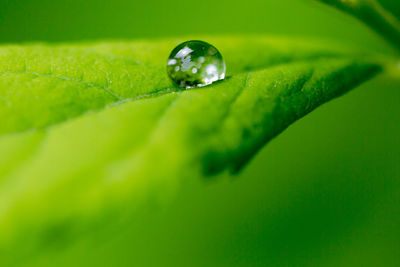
[195, 64]
[171, 62]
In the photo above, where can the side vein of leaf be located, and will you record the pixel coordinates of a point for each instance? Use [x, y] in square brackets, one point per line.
[106, 89]
[236, 97]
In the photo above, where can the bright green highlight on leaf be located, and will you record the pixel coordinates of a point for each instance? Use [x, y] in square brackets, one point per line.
[94, 129]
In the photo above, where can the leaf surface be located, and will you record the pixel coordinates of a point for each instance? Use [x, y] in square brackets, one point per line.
[89, 129]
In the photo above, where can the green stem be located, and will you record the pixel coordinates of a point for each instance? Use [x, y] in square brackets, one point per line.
[371, 13]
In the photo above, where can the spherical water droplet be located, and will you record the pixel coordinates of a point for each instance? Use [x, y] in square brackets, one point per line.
[195, 64]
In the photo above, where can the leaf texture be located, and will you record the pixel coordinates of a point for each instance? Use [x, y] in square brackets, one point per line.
[87, 129]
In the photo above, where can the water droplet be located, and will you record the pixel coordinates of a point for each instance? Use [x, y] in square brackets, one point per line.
[195, 64]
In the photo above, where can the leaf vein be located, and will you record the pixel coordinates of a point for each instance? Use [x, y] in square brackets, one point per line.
[64, 78]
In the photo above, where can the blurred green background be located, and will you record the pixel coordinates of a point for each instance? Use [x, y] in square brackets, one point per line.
[47, 20]
[326, 192]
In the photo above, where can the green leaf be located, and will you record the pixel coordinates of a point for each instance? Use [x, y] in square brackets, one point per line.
[374, 15]
[94, 129]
